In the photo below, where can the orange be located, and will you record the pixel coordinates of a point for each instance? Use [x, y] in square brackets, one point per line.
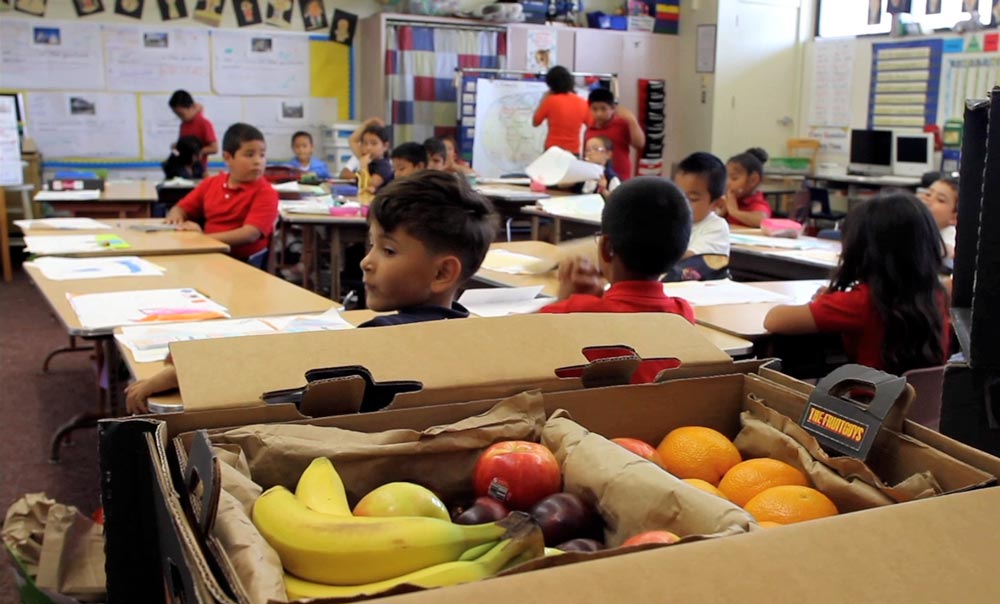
[705, 486]
[698, 452]
[790, 503]
[769, 524]
[748, 478]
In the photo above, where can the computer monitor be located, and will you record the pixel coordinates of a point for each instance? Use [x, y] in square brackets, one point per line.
[912, 153]
[871, 152]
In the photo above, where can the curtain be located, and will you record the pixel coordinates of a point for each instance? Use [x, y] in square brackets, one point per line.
[420, 68]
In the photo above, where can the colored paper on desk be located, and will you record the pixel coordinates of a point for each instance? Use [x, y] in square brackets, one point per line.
[112, 309]
[62, 224]
[68, 269]
[72, 244]
[775, 242]
[723, 291]
[516, 264]
[503, 301]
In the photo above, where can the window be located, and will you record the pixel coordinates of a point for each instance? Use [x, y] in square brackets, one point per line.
[851, 17]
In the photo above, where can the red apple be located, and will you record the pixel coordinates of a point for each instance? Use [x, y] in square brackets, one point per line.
[562, 517]
[651, 537]
[640, 448]
[517, 473]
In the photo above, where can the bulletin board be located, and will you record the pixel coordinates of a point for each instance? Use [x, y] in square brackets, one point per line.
[97, 92]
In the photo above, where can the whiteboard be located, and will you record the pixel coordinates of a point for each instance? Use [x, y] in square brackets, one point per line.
[505, 140]
[50, 55]
[145, 59]
[260, 63]
[10, 143]
[84, 124]
[160, 126]
[277, 118]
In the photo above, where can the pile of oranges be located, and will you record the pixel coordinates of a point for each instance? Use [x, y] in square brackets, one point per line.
[774, 492]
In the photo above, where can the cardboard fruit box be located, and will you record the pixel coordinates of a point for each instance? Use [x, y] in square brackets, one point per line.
[640, 411]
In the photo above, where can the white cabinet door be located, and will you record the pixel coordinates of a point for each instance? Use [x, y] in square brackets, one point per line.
[758, 76]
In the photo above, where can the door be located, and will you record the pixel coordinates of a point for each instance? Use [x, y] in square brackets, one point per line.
[758, 76]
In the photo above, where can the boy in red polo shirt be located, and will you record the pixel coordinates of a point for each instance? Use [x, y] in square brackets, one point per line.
[645, 228]
[618, 125]
[239, 207]
[194, 123]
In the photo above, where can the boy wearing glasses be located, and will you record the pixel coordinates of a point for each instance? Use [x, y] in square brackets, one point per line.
[597, 150]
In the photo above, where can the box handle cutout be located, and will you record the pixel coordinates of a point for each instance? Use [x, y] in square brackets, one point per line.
[606, 361]
[202, 482]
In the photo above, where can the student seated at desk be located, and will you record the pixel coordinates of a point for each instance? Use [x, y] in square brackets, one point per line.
[429, 234]
[408, 159]
[452, 161]
[744, 204]
[350, 170]
[302, 147]
[645, 227]
[885, 298]
[437, 153]
[185, 160]
[597, 150]
[238, 207]
[376, 169]
[942, 200]
[702, 177]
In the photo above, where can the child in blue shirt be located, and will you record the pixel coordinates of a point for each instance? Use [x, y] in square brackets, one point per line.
[302, 146]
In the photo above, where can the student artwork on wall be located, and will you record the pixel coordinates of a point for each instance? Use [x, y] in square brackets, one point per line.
[172, 9]
[541, 50]
[898, 6]
[88, 7]
[344, 25]
[247, 13]
[129, 8]
[32, 7]
[209, 12]
[279, 13]
[314, 15]
[657, 16]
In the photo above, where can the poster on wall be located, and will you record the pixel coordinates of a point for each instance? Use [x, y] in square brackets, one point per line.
[209, 12]
[343, 28]
[314, 15]
[542, 50]
[172, 9]
[129, 8]
[896, 7]
[88, 7]
[32, 7]
[279, 13]
[247, 13]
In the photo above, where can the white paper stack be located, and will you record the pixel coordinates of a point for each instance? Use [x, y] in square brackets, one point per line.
[723, 291]
[68, 269]
[560, 167]
[62, 224]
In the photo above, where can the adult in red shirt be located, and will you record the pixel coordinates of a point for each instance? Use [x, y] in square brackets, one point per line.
[619, 125]
[565, 112]
[744, 204]
[239, 207]
[645, 228]
[194, 123]
[886, 298]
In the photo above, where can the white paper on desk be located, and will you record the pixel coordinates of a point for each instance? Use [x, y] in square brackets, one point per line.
[68, 269]
[62, 244]
[510, 193]
[582, 206]
[85, 195]
[113, 309]
[560, 167]
[503, 301]
[150, 343]
[315, 205]
[776, 242]
[294, 186]
[516, 264]
[828, 258]
[62, 224]
[523, 180]
[330, 320]
[177, 182]
[723, 291]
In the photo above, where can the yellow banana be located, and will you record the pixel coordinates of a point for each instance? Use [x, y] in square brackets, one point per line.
[449, 573]
[474, 553]
[351, 550]
[321, 489]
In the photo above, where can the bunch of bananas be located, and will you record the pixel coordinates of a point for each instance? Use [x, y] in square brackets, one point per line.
[328, 552]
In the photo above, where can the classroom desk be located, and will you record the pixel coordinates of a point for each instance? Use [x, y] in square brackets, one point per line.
[757, 263]
[154, 243]
[121, 199]
[538, 213]
[747, 320]
[243, 289]
[340, 231]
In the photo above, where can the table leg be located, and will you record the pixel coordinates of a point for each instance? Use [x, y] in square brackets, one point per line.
[534, 228]
[336, 253]
[308, 256]
[107, 358]
[556, 230]
[8, 271]
[71, 348]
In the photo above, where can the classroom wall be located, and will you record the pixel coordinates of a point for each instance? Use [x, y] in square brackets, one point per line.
[695, 92]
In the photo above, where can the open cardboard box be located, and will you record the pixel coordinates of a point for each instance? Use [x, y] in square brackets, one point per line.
[647, 412]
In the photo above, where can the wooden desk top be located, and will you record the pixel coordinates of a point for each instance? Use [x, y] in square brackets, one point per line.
[155, 243]
[538, 211]
[296, 218]
[114, 223]
[821, 255]
[243, 289]
[747, 320]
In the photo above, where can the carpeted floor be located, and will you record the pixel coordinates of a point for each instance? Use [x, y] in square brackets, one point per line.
[33, 405]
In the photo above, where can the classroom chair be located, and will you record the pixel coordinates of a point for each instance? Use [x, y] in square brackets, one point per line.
[804, 147]
[929, 385]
